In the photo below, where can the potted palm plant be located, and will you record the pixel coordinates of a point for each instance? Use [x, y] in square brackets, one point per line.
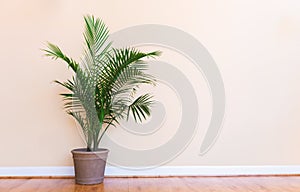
[101, 92]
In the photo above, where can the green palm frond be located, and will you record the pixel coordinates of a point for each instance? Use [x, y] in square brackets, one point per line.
[140, 108]
[95, 35]
[69, 84]
[122, 65]
[55, 52]
[81, 120]
[129, 78]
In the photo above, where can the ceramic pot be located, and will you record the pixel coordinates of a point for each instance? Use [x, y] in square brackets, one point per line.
[89, 165]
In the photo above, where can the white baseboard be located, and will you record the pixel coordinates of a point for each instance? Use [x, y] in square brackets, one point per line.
[159, 171]
[36, 171]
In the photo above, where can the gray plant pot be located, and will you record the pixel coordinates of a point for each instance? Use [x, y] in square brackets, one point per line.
[89, 166]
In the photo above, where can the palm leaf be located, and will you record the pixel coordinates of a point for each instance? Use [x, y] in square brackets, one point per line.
[140, 107]
[55, 52]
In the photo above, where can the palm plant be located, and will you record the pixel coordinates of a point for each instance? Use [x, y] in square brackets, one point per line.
[102, 90]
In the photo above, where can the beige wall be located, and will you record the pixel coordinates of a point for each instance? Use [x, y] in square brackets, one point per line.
[255, 44]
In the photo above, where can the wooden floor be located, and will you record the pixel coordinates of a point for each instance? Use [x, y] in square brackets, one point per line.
[203, 184]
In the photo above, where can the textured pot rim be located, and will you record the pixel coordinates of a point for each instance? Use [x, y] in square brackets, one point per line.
[83, 151]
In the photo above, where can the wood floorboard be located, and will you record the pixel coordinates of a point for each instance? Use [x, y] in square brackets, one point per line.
[164, 184]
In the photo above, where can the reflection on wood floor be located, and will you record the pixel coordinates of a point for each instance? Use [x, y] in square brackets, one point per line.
[203, 184]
